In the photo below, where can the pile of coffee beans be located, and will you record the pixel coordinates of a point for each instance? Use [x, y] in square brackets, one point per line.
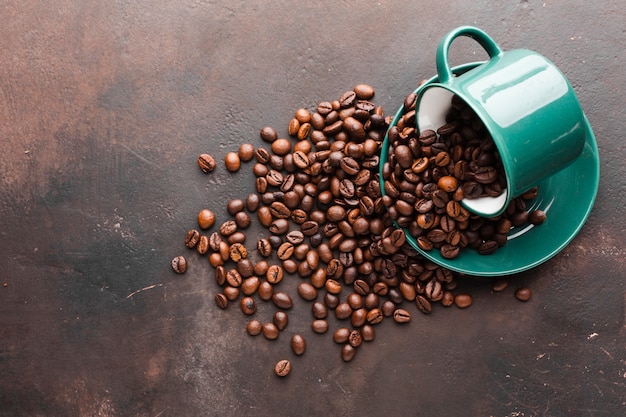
[323, 220]
[428, 174]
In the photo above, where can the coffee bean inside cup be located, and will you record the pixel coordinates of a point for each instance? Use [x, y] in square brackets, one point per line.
[428, 174]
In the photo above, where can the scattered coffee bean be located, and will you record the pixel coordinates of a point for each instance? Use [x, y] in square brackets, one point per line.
[179, 264]
[281, 319]
[319, 326]
[206, 218]
[254, 327]
[298, 344]
[232, 161]
[270, 331]
[282, 368]
[463, 300]
[523, 294]
[206, 163]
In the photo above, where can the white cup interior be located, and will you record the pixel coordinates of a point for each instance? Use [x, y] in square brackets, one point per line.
[431, 114]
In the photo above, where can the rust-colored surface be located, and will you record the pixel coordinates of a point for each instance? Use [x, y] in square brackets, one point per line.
[104, 107]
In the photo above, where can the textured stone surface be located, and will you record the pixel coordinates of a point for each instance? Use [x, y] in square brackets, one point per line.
[104, 108]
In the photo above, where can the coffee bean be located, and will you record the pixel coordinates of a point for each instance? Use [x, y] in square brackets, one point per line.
[268, 134]
[499, 284]
[375, 316]
[221, 300]
[358, 317]
[282, 300]
[206, 218]
[298, 344]
[355, 338]
[281, 319]
[232, 161]
[536, 217]
[191, 238]
[254, 327]
[270, 331]
[274, 274]
[233, 278]
[423, 304]
[401, 315]
[488, 247]
[463, 300]
[179, 264]
[319, 326]
[206, 163]
[364, 91]
[238, 252]
[307, 291]
[523, 294]
[231, 293]
[248, 306]
[282, 368]
[347, 352]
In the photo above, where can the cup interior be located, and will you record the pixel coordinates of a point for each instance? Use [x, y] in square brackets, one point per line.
[434, 105]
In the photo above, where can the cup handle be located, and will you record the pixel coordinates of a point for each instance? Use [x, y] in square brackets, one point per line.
[443, 66]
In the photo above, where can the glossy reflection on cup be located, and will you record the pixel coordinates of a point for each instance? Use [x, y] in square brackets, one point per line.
[526, 104]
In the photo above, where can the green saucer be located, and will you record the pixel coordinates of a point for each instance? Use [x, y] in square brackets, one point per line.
[567, 198]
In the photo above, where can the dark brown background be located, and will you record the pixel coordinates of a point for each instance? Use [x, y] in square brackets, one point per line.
[104, 107]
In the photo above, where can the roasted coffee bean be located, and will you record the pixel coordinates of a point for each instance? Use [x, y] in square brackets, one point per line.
[449, 251]
[281, 319]
[523, 294]
[270, 331]
[264, 248]
[232, 161]
[463, 300]
[319, 326]
[246, 152]
[375, 316]
[221, 300]
[343, 310]
[274, 274]
[203, 245]
[355, 338]
[536, 217]
[238, 252]
[206, 218]
[488, 247]
[358, 317]
[191, 238]
[307, 291]
[250, 285]
[319, 310]
[265, 291]
[499, 284]
[368, 333]
[233, 278]
[231, 293]
[282, 300]
[279, 226]
[179, 264]
[298, 344]
[284, 251]
[206, 163]
[364, 91]
[347, 352]
[401, 315]
[228, 228]
[268, 134]
[423, 304]
[254, 327]
[282, 368]
[248, 306]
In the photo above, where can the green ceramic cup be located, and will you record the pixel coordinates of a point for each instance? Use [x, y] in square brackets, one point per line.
[524, 101]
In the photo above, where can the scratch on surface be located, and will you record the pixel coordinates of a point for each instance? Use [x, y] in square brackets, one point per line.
[143, 289]
[606, 351]
[141, 158]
